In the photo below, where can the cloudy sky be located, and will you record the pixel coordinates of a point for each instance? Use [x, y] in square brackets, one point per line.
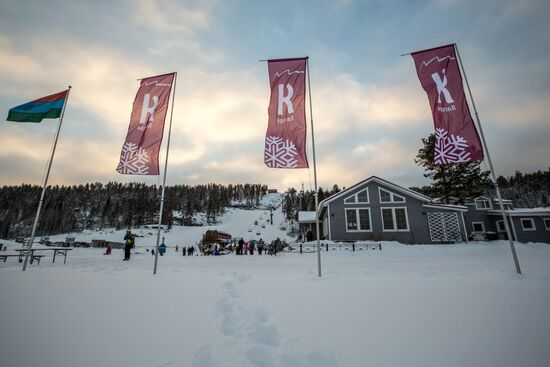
[369, 110]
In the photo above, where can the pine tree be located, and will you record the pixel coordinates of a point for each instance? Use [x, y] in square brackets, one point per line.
[463, 180]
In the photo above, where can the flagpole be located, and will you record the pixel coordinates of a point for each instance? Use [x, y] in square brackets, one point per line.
[506, 225]
[164, 179]
[36, 217]
[314, 174]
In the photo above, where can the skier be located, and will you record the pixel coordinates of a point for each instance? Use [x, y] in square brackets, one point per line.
[130, 242]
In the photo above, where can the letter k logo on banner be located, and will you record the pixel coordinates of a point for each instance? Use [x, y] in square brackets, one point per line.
[441, 87]
[286, 100]
[146, 109]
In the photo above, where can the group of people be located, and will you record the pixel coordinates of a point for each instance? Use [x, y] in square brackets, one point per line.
[239, 248]
[189, 250]
[248, 248]
[130, 242]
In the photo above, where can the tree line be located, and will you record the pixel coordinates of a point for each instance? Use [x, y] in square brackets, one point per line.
[116, 205]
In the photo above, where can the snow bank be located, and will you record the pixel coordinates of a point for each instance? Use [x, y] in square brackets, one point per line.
[425, 305]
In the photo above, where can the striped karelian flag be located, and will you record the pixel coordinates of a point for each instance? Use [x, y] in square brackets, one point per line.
[48, 107]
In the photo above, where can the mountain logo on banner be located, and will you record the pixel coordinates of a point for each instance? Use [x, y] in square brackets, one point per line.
[426, 63]
[287, 71]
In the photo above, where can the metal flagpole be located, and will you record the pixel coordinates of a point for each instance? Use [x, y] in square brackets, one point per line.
[164, 180]
[506, 225]
[314, 173]
[31, 240]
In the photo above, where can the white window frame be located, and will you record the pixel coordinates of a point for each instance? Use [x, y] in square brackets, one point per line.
[528, 229]
[478, 200]
[503, 229]
[356, 198]
[482, 227]
[356, 210]
[546, 221]
[394, 217]
[392, 195]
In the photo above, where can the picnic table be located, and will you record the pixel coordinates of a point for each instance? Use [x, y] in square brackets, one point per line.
[56, 250]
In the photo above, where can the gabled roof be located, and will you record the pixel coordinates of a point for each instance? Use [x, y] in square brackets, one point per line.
[471, 200]
[380, 181]
[522, 212]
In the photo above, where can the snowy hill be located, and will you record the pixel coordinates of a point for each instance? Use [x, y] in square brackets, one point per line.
[248, 224]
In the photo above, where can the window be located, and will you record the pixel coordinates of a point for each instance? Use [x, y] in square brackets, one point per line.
[362, 197]
[500, 226]
[390, 197]
[482, 204]
[358, 220]
[395, 219]
[478, 227]
[528, 224]
[546, 223]
[351, 220]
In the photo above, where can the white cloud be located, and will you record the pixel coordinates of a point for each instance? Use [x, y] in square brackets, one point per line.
[170, 16]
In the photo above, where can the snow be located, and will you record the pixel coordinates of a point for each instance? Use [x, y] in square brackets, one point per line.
[422, 305]
[306, 217]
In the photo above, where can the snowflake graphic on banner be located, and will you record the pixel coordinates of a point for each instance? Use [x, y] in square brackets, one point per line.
[133, 160]
[279, 153]
[450, 148]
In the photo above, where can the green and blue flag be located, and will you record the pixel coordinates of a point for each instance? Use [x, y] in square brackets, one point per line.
[48, 107]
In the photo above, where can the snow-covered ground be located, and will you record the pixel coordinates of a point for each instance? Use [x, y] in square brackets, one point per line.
[423, 305]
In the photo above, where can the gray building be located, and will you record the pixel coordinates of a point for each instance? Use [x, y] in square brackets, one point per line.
[379, 210]
[376, 209]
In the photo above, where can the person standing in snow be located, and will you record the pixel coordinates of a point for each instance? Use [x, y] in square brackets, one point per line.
[130, 241]
[240, 248]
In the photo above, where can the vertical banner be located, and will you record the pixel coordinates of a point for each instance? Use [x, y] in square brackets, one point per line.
[140, 152]
[285, 139]
[457, 140]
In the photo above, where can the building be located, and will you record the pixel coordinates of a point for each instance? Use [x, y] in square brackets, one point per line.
[484, 221]
[379, 210]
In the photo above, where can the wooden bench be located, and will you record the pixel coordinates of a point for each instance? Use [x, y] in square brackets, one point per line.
[5, 256]
[20, 257]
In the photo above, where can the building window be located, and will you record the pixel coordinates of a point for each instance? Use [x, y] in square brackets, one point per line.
[528, 224]
[546, 223]
[500, 226]
[482, 204]
[362, 197]
[390, 197]
[358, 220]
[395, 219]
[479, 227]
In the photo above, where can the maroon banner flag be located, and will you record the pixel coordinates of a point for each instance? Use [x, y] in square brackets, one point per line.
[285, 139]
[457, 140]
[140, 152]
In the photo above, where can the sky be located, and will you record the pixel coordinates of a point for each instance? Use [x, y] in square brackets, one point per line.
[369, 110]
